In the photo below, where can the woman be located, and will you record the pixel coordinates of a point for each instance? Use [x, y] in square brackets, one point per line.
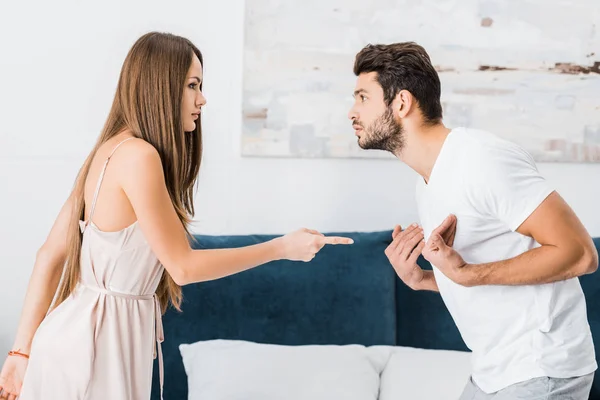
[127, 249]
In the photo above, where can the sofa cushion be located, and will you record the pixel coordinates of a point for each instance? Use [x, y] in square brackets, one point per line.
[236, 370]
[418, 374]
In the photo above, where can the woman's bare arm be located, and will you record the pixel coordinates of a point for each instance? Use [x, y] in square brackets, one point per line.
[142, 179]
[47, 270]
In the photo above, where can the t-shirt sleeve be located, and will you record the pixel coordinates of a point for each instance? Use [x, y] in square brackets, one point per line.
[509, 185]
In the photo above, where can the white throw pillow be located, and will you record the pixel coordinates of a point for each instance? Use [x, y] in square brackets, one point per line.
[239, 370]
[419, 374]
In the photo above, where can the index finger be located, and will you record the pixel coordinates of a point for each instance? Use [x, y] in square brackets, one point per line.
[336, 240]
[447, 223]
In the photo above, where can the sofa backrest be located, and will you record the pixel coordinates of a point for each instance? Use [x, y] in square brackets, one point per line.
[346, 295]
[591, 288]
[422, 319]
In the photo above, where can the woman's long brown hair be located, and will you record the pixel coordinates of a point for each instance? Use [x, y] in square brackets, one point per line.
[148, 104]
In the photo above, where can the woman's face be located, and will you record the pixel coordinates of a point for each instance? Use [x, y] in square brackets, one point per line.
[193, 99]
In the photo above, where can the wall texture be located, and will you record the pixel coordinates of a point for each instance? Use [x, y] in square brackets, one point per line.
[527, 70]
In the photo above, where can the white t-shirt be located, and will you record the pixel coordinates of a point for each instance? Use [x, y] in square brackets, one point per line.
[516, 333]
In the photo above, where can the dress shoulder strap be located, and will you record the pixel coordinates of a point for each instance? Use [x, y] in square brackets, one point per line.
[101, 178]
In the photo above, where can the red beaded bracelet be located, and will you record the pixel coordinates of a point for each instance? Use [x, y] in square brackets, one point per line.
[17, 353]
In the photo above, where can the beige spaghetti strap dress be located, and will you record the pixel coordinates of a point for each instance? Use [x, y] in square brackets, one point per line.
[100, 342]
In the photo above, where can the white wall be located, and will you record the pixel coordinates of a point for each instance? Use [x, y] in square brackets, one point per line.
[59, 65]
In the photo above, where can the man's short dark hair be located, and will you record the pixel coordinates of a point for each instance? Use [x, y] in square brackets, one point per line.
[404, 66]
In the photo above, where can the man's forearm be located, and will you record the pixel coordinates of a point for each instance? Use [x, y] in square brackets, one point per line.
[545, 264]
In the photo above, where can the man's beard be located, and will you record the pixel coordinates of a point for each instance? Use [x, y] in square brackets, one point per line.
[383, 134]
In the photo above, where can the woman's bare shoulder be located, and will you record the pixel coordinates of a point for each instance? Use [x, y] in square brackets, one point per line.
[132, 152]
[137, 159]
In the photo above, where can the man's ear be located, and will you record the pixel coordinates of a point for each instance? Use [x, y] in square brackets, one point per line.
[403, 103]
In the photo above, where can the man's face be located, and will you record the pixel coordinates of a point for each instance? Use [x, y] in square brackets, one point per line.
[373, 121]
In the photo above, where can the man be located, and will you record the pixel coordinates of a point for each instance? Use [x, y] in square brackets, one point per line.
[506, 249]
